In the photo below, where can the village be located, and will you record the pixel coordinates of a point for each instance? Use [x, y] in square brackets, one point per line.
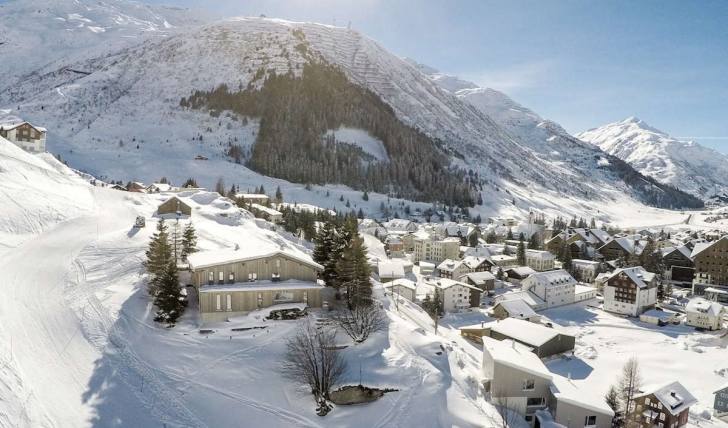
[525, 297]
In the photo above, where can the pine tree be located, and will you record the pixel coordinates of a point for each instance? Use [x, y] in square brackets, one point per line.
[533, 243]
[509, 235]
[189, 241]
[352, 272]
[220, 186]
[169, 300]
[159, 255]
[279, 194]
[521, 252]
[365, 196]
[566, 257]
[325, 251]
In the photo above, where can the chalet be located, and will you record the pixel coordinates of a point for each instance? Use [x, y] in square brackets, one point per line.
[630, 291]
[483, 280]
[394, 246]
[516, 308]
[253, 198]
[705, 314]
[400, 225]
[711, 265]
[390, 270]
[720, 405]
[517, 274]
[402, 287]
[678, 263]
[174, 205]
[540, 260]
[266, 213]
[456, 269]
[234, 282]
[585, 270]
[667, 406]
[136, 187]
[556, 287]
[159, 187]
[621, 248]
[455, 295]
[24, 135]
[504, 261]
[467, 233]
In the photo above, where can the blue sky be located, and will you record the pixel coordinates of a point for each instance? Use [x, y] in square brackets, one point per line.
[579, 63]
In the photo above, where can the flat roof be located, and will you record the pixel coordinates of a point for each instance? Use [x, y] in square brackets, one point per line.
[526, 332]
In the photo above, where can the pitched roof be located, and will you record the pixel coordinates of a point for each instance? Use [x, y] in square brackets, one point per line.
[209, 258]
[401, 282]
[580, 394]
[674, 396]
[523, 331]
[551, 278]
[473, 262]
[637, 274]
[516, 308]
[702, 246]
[522, 271]
[11, 126]
[701, 305]
[479, 277]
[516, 355]
[445, 283]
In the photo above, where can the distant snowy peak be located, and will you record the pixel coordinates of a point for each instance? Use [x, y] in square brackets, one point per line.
[686, 165]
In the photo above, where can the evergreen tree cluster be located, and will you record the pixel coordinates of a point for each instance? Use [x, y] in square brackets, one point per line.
[295, 114]
[342, 253]
[162, 266]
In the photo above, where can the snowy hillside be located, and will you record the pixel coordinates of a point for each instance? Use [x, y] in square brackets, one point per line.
[123, 119]
[686, 165]
[55, 33]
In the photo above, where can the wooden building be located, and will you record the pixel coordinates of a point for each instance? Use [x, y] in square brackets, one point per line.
[666, 407]
[24, 135]
[172, 205]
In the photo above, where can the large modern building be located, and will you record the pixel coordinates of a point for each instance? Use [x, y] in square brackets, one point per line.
[630, 291]
[711, 265]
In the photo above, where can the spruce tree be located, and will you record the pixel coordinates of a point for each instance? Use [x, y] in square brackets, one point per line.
[169, 300]
[189, 241]
[326, 252]
[509, 235]
[279, 194]
[521, 253]
[159, 255]
[352, 272]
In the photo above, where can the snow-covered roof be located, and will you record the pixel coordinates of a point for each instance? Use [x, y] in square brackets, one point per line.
[528, 297]
[516, 308]
[209, 258]
[264, 209]
[637, 274]
[291, 284]
[522, 271]
[682, 249]
[523, 331]
[13, 125]
[704, 306]
[702, 246]
[391, 269]
[473, 262]
[445, 283]
[251, 196]
[540, 254]
[448, 265]
[580, 394]
[401, 282]
[502, 257]
[673, 396]
[551, 278]
[659, 314]
[480, 277]
[584, 263]
[513, 354]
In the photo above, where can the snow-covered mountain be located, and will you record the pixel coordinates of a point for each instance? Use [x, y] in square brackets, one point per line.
[686, 165]
[55, 33]
[120, 117]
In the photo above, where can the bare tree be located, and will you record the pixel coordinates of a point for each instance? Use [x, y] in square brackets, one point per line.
[361, 321]
[313, 358]
[629, 386]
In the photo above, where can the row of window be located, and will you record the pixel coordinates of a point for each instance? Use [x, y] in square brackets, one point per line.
[281, 296]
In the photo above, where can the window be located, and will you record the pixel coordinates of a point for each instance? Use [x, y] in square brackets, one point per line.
[228, 303]
[535, 401]
[278, 263]
[260, 300]
[210, 277]
[590, 421]
[252, 276]
[218, 307]
[220, 276]
[529, 385]
[305, 297]
[231, 277]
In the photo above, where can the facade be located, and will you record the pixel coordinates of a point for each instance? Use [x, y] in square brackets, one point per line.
[172, 205]
[666, 407]
[518, 273]
[436, 250]
[555, 287]
[630, 291]
[266, 213]
[574, 404]
[515, 308]
[585, 270]
[504, 261]
[540, 260]
[234, 282]
[456, 269]
[26, 136]
[483, 280]
[399, 225]
[711, 264]
[678, 264]
[720, 405]
[394, 246]
[402, 287]
[706, 314]
[455, 295]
